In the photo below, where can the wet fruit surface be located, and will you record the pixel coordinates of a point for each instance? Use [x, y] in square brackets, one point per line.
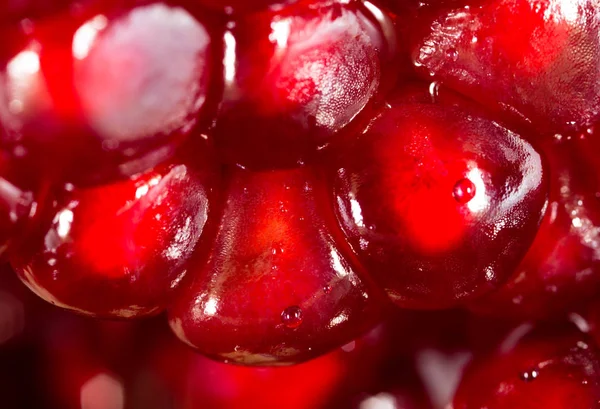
[561, 268]
[406, 191]
[433, 200]
[102, 92]
[548, 368]
[543, 69]
[279, 286]
[123, 246]
[295, 77]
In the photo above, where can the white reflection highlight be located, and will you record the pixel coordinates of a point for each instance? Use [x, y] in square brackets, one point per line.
[338, 319]
[356, 212]
[23, 65]
[145, 188]
[229, 60]
[570, 10]
[480, 201]
[86, 35]
[280, 33]
[336, 264]
[64, 219]
[210, 308]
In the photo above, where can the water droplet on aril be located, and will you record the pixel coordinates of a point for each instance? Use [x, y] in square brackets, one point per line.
[292, 317]
[452, 54]
[327, 289]
[277, 249]
[530, 375]
[434, 91]
[464, 191]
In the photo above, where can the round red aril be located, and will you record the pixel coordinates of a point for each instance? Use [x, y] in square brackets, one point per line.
[295, 77]
[562, 267]
[440, 205]
[106, 92]
[279, 286]
[545, 68]
[553, 369]
[118, 250]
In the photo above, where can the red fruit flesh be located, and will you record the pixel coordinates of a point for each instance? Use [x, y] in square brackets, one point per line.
[439, 204]
[118, 250]
[278, 286]
[553, 370]
[104, 92]
[236, 6]
[536, 59]
[562, 267]
[15, 10]
[294, 78]
[16, 206]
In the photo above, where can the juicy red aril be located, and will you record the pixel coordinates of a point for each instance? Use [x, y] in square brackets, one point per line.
[105, 92]
[260, 298]
[440, 205]
[562, 267]
[553, 369]
[295, 77]
[118, 250]
[537, 59]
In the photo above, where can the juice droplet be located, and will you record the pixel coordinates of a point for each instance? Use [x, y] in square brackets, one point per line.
[327, 289]
[292, 317]
[464, 191]
[434, 91]
[452, 54]
[277, 249]
[530, 375]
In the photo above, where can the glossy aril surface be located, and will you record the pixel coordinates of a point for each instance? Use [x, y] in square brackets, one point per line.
[105, 91]
[561, 269]
[439, 204]
[279, 286]
[552, 369]
[124, 246]
[16, 206]
[543, 68]
[294, 78]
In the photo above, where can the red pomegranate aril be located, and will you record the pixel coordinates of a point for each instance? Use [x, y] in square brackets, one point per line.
[118, 250]
[553, 369]
[107, 91]
[439, 204]
[260, 298]
[562, 267]
[544, 68]
[295, 77]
